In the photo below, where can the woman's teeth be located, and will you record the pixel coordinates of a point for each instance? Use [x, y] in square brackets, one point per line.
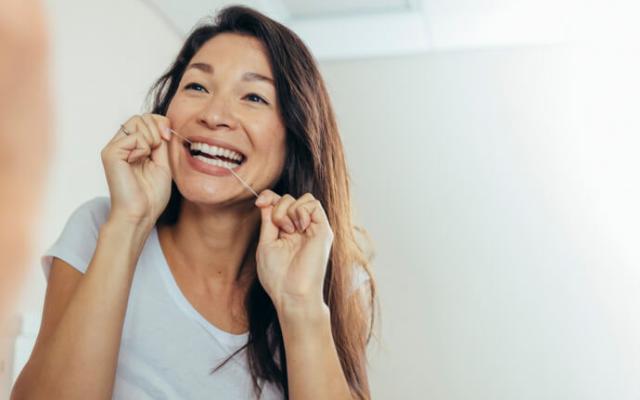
[217, 162]
[215, 155]
[214, 151]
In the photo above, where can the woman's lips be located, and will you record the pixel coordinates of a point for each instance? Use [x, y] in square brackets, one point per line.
[206, 168]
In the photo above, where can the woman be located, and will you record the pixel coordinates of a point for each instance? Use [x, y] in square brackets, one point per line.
[192, 288]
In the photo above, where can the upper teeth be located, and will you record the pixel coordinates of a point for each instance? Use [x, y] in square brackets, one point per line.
[216, 151]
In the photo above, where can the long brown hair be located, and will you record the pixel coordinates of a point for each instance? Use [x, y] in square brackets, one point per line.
[315, 163]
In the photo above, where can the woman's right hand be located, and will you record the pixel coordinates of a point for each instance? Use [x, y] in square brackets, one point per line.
[137, 169]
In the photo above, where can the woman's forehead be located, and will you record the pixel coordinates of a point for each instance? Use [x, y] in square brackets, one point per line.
[236, 50]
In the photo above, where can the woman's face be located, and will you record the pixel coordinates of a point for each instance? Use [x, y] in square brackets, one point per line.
[227, 97]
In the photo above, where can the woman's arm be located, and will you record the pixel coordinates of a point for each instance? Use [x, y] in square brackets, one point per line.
[76, 355]
[292, 267]
[313, 367]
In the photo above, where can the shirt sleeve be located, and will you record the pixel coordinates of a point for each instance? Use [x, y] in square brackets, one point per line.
[77, 242]
[362, 288]
[360, 278]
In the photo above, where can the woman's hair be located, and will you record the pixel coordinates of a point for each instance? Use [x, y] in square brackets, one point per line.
[315, 163]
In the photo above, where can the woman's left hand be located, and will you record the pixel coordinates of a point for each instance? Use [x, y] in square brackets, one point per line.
[293, 250]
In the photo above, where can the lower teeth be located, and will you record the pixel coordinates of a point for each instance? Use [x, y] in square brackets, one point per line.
[216, 162]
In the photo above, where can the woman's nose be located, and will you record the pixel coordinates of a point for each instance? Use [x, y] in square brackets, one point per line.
[217, 113]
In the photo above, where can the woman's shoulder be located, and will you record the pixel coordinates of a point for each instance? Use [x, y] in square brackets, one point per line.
[93, 212]
[89, 216]
[77, 241]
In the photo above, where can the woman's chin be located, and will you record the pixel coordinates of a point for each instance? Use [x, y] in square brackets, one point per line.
[210, 193]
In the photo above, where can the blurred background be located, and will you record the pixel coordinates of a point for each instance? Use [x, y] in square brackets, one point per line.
[493, 154]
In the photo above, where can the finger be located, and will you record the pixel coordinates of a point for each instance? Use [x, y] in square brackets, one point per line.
[152, 128]
[160, 154]
[303, 217]
[118, 148]
[143, 131]
[267, 197]
[294, 213]
[313, 212]
[134, 125]
[304, 212]
[141, 151]
[136, 146]
[164, 125]
[136, 155]
[158, 127]
[121, 148]
[268, 231]
[280, 216]
[318, 215]
[129, 125]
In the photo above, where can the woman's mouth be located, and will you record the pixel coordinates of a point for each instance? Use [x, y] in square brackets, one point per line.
[211, 159]
[215, 155]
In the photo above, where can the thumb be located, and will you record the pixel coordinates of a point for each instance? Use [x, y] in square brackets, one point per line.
[268, 231]
[160, 154]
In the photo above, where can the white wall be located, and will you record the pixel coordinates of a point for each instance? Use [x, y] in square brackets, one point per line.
[501, 186]
[500, 197]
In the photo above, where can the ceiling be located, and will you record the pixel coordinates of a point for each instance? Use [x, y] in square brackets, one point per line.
[337, 29]
[314, 9]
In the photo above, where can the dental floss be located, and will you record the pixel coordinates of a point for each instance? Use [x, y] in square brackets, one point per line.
[243, 182]
[179, 135]
[229, 168]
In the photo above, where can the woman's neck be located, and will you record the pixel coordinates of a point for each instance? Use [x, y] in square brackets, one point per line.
[214, 243]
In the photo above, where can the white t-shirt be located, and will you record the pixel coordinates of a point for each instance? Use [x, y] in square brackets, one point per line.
[168, 348]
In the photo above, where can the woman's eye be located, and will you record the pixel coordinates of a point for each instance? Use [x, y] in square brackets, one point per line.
[195, 86]
[255, 98]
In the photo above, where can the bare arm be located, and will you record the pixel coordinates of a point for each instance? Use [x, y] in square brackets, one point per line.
[76, 352]
[292, 270]
[313, 366]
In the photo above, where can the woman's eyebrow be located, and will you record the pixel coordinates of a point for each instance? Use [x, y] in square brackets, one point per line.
[253, 76]
[247, 76]
[202, 67]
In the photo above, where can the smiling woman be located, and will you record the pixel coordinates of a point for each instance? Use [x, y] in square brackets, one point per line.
[157, 288]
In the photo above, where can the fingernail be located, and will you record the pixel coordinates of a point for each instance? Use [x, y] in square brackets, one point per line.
[167, 132]
[289, 228]
[260, 201]
[297, 224]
